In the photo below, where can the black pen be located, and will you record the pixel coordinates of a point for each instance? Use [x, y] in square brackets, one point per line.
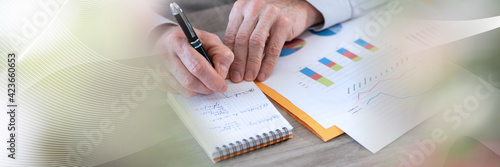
[188, 30]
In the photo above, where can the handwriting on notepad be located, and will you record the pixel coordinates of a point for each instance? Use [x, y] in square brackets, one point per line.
[215, 110]
[240, 93]
[256, 107]
[236, 114]
[263, 120]
[229, 116]
[234, 125]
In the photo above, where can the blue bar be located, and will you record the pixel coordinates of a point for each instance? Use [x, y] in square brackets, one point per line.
[307, 72]
[361, 42]
[325, 61]
[342, 51]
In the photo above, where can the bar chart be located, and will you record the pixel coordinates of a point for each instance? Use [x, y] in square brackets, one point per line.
[334, 67]
[349, 54]
[366, 45]
[330, 64]
[316, 76]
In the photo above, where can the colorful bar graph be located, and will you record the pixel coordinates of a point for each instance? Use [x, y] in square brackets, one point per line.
[366, 45]
[330, 64]
[317, 77]
[349, 54]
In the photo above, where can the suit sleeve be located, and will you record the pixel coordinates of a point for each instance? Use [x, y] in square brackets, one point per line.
[337, 11]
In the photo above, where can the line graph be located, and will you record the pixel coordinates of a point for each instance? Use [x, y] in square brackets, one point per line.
[390, 79]
[393, 96]
[404, 97]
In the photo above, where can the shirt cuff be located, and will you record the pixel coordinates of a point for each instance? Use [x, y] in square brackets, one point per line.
[333, 11]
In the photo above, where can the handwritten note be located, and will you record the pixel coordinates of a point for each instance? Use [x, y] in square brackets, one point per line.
[245, 112]
[225, 114]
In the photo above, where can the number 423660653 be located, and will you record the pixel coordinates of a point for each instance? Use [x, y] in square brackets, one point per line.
[11, 86]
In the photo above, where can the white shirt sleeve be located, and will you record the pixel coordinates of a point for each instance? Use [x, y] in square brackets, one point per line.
[337, 11]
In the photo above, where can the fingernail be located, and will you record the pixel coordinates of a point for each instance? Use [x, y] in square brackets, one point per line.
[249, 76]
[236, 76]
[221, 89]
[261, 77]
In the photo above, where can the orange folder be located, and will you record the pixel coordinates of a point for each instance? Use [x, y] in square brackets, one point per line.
[299, 115]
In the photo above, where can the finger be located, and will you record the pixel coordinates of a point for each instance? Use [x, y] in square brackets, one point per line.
[199, 67]
[221, 55]
[183, 77]
[189, 84]
[257, 42]
[166, 78]
[174, 65]
[279, 35]
[173, 86]
[235, 20]
[241, 49]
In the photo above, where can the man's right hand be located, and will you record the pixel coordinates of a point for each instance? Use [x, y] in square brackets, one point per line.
[189, 72]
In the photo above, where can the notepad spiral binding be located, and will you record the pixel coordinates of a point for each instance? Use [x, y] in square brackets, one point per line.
[243, 146]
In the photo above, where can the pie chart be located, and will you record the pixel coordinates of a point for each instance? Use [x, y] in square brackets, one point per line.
[292, 47]
[329, 31]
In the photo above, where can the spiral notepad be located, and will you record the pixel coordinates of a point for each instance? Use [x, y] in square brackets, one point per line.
[227, 126]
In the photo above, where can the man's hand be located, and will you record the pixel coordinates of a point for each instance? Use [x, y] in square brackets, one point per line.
[189, 72]
[262, 26]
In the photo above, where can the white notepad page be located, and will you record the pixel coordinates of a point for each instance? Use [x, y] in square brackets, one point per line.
[216, 120]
